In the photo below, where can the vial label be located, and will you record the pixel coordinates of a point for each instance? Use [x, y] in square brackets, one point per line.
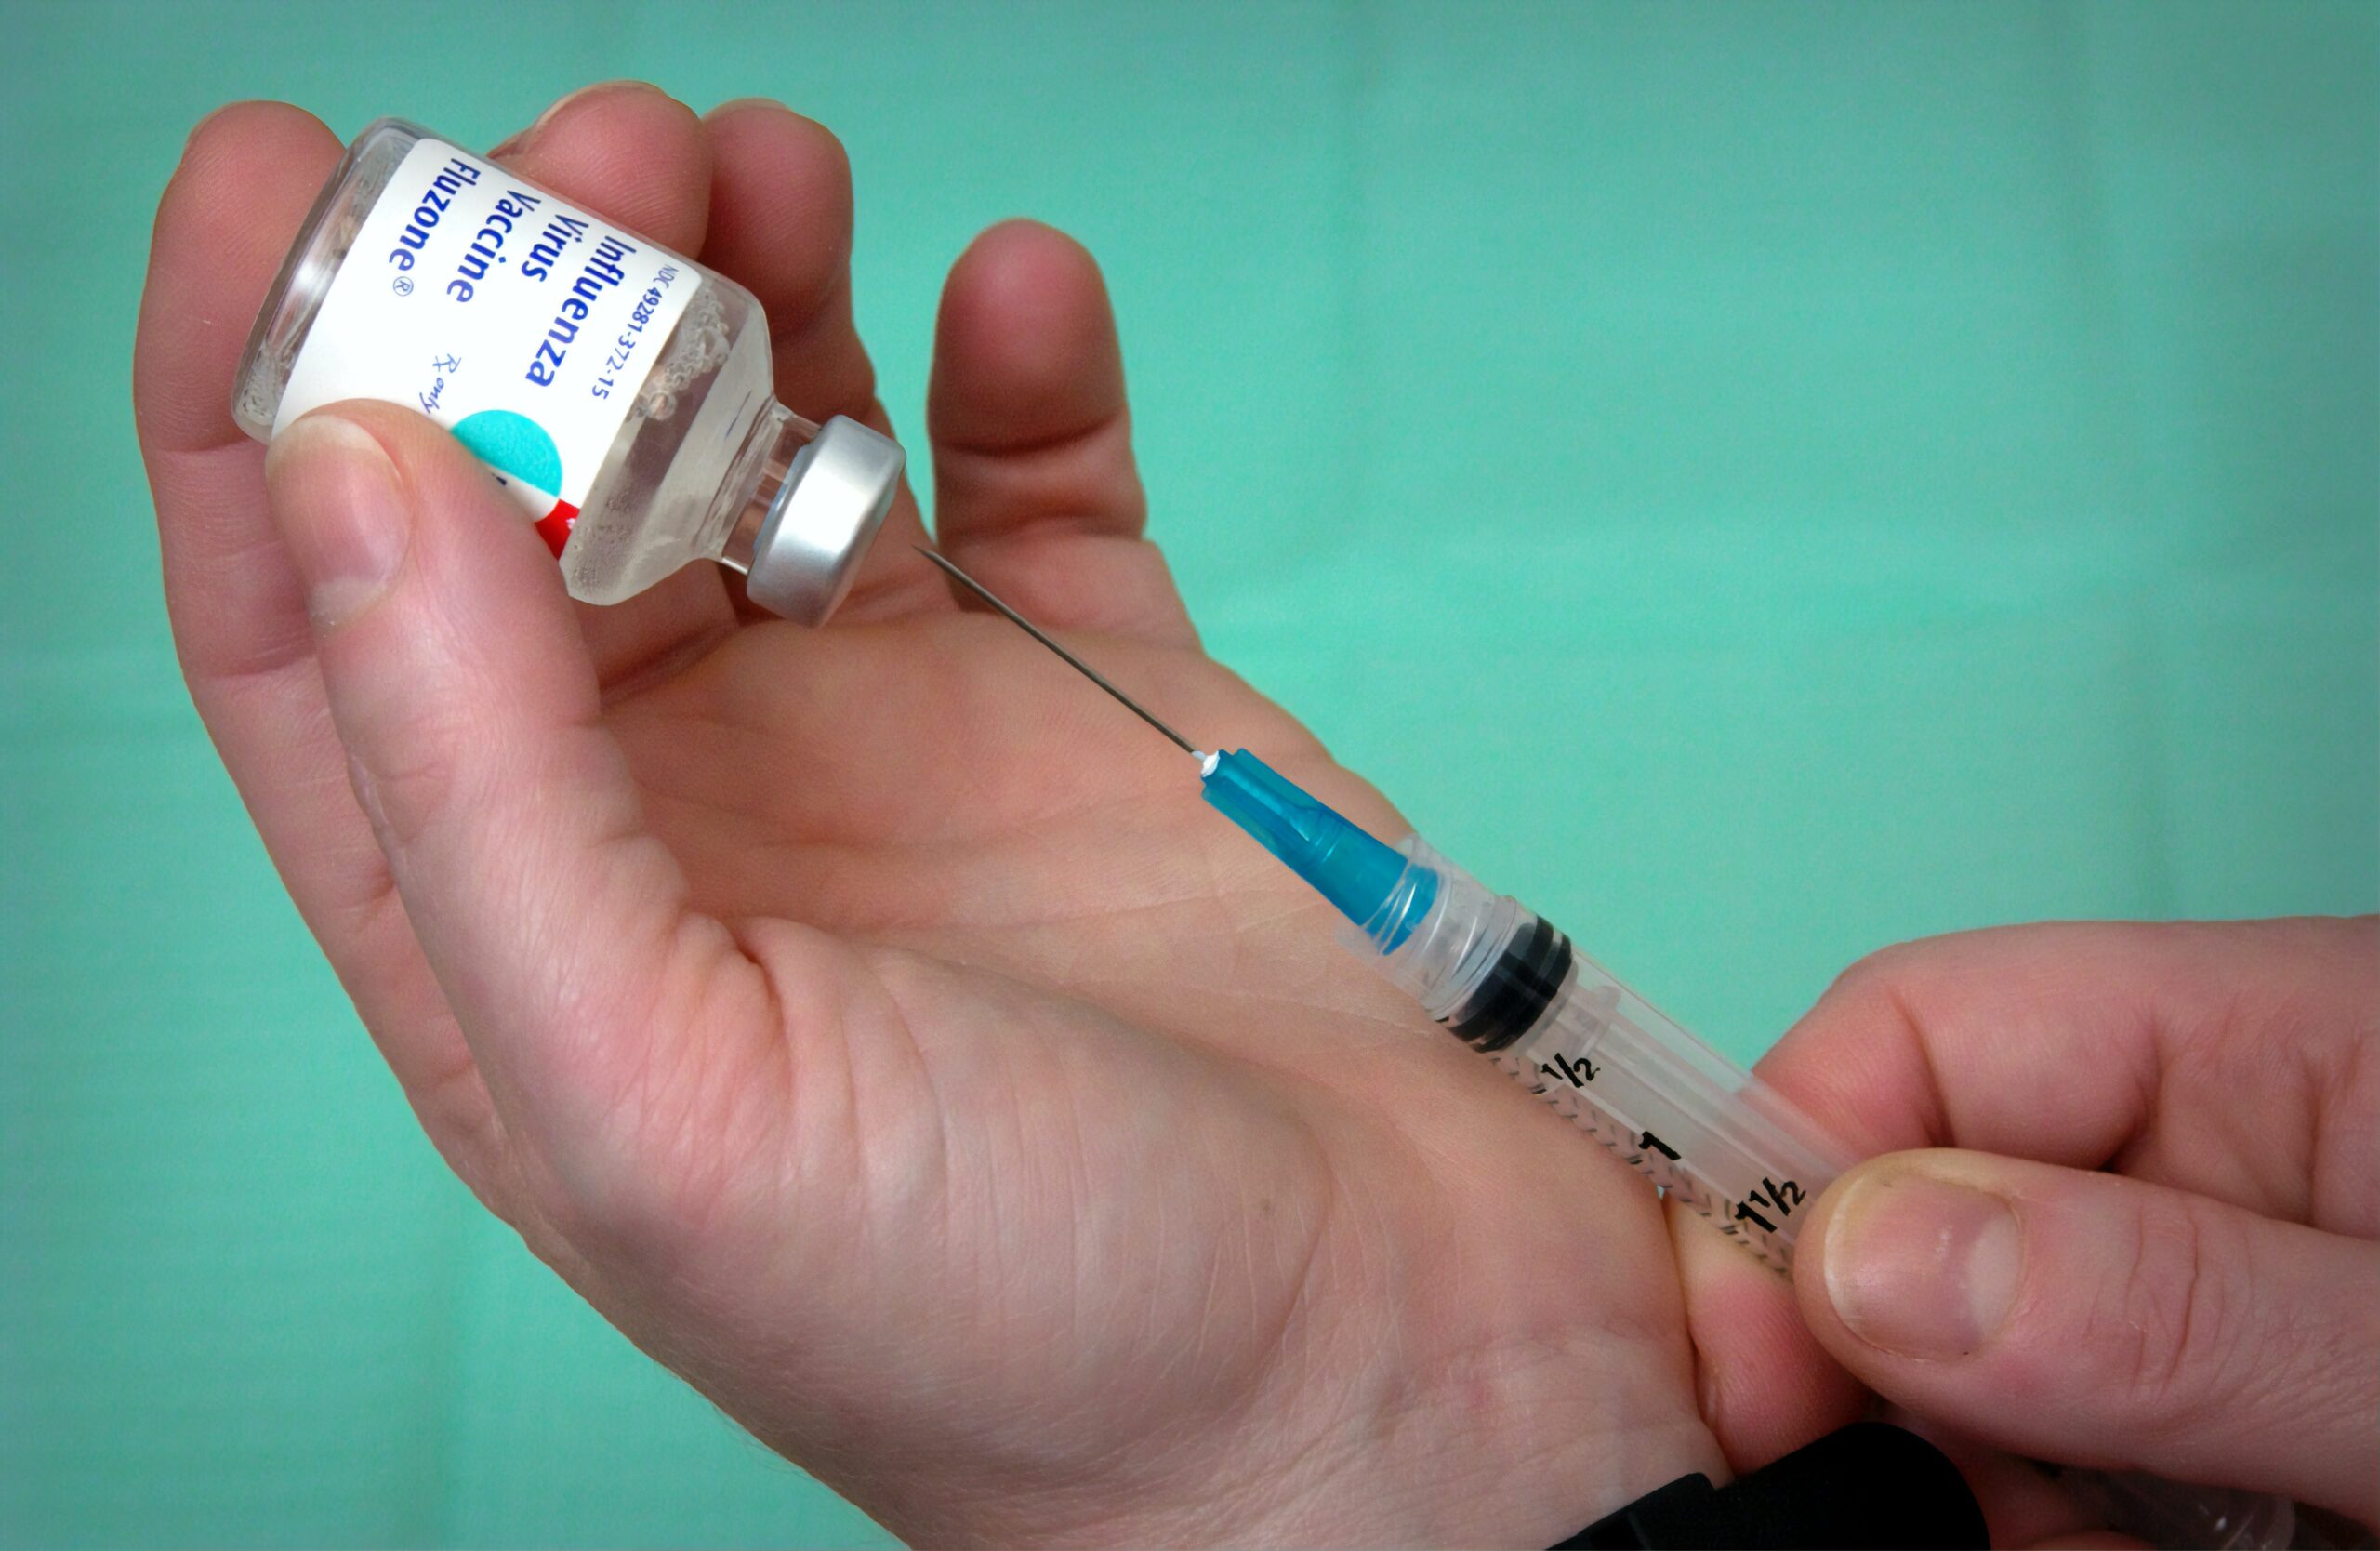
[521, 324]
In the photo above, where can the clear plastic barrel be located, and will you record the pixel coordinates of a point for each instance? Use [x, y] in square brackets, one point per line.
[1709, 1134]
[1609, 1062]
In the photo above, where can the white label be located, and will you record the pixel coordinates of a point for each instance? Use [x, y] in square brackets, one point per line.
[521, 324]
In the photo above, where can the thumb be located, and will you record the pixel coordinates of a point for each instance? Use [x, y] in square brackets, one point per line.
[2092, 1319]
[472, 723]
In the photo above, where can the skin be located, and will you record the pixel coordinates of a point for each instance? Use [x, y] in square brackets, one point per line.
[2183, 1121]
[872, 1022]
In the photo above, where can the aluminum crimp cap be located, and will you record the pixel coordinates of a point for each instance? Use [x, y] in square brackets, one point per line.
[825, 516]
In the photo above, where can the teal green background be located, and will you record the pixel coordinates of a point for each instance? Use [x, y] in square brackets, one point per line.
[1757, 483]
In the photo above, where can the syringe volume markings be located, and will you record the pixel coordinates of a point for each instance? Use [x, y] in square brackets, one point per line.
[1577, 1076]
[1649, 1140]
[1781, 1199]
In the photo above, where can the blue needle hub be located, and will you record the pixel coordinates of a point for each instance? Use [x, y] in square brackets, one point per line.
[1356, 873]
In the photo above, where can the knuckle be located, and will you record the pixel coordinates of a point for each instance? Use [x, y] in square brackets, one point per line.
[404, 796]
[683, 1134]
[421, 751]
[1927, 972]
[658, 1184]
[2173, 1316]
[1885, 978]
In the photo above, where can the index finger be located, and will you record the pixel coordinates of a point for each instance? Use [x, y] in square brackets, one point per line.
[239, 612]
[781, 212]
[2232, 1060]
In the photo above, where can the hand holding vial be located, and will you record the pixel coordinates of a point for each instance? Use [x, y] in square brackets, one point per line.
[836, 1009]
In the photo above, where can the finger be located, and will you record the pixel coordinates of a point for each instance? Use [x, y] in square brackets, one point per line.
[628, 151]
[2232, 1060]
[1766, 1386]
[467, 707]
[244, 185]
[639, 158]
[2101, 1322]
[246, 178]
[1035, 489]
[781, 226]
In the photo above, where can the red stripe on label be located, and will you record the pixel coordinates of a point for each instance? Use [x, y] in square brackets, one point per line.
[555, 526]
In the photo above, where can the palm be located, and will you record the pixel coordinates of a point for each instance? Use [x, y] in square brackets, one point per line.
[1144, 1157]
[872, 1021]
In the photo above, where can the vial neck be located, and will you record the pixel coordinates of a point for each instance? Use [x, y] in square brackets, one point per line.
[755, 479]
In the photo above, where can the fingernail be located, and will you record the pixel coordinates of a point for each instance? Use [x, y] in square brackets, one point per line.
[1920, 1265]
[519, 142]
[200, 127]
[743, 104]
[341, 512]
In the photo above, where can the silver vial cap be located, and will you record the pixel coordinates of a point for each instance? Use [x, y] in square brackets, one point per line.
[823, 517]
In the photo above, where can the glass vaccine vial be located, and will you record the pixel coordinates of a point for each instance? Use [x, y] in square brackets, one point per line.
[620, 393]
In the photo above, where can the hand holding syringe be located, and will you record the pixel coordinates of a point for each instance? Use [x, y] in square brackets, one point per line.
[1513, 987]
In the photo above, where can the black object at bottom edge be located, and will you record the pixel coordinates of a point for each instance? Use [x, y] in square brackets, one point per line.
[1867, 1485]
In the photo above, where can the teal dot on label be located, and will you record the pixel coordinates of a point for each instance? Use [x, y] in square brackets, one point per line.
[513, 444]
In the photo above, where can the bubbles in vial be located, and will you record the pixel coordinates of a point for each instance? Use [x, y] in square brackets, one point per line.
[697, 347]
[260, 389]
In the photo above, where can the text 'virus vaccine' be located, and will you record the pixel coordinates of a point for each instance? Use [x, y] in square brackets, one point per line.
[622, 393]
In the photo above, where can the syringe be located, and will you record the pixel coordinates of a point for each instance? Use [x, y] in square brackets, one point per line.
[1511, 987]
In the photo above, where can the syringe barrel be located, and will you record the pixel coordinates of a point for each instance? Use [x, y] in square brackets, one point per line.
[1708, 1131]
[1515, 989]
